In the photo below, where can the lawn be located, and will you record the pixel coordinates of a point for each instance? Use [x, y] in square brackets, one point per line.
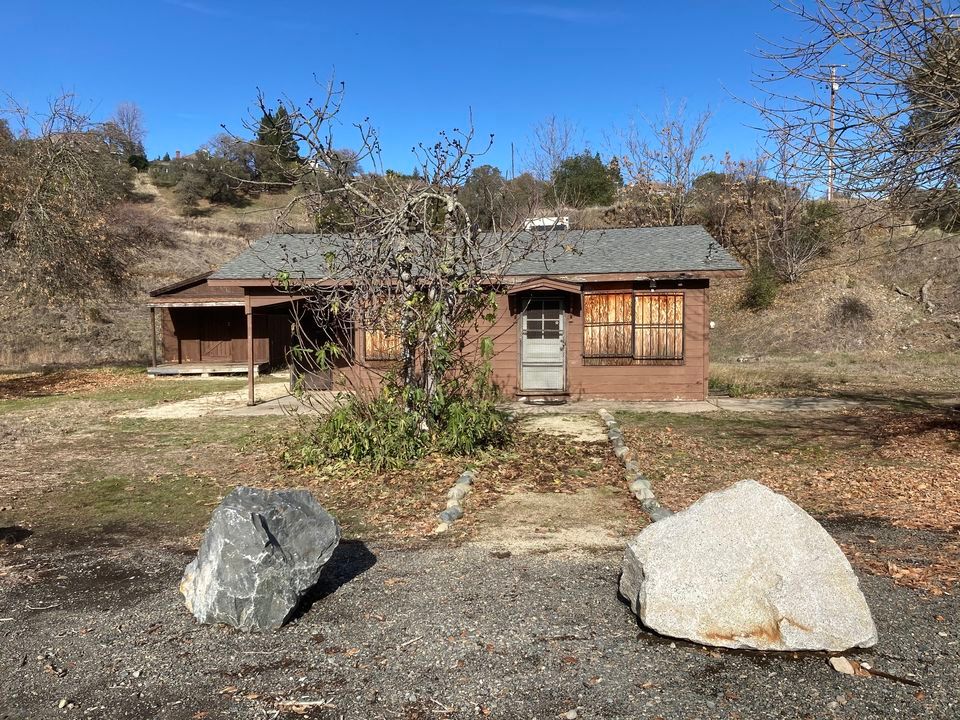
[908, 377]
[76, 465]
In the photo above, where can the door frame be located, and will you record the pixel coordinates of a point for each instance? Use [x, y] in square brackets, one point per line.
[523, 303]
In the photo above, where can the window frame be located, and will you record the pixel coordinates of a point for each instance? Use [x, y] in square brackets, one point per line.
[379, 358]
[591, 359]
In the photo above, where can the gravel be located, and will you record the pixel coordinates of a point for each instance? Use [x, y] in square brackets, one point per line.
[428, 629]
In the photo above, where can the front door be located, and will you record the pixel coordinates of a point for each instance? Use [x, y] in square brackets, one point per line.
[542, 347]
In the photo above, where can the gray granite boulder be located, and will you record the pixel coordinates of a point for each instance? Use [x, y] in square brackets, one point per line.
[261, 553]
[746, 568]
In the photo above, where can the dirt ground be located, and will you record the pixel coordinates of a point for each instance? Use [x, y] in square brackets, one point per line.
[512, 613]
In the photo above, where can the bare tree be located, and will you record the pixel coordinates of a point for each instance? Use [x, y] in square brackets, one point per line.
[62, 229]
[732, 204]
[553, 140]
[660, 159]
[407, 265]
[128, 117]
[798, 230]
[124, 130]
[895, 108]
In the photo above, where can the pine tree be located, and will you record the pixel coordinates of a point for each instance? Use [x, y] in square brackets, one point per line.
[277, 149]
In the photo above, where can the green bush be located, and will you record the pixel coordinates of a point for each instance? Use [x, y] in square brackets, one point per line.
[381, 433]
[760, 290]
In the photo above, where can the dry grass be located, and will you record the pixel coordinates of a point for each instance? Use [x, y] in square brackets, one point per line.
[404, 503]
[895, 468]
[70, 461]
[905, 376]
[17, 386]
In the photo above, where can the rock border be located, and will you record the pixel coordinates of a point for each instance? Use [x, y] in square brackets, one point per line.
[455, 497]
[637, 482]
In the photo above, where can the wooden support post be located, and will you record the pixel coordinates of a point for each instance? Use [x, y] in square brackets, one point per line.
[153, 333]
[251, 397]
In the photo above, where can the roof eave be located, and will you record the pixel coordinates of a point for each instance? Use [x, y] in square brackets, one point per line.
[180, 284]
[517, 278]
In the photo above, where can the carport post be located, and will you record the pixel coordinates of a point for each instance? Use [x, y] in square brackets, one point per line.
[153, 332]
[251, 398]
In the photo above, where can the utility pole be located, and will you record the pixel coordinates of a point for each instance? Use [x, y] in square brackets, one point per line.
[831, 140]
[512, 170]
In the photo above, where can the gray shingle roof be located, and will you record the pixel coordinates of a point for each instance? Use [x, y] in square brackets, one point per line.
[688, 249]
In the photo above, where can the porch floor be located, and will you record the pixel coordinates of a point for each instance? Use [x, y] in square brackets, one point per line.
[205, 369]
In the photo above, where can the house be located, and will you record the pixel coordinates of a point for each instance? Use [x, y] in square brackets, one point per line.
[623, 317]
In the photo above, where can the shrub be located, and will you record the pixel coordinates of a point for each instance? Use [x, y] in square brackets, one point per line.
[760, 290]
[139, 162]
[850, 311]
[381, 433]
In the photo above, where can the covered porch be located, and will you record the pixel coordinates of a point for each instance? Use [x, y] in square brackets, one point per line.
[202, 331]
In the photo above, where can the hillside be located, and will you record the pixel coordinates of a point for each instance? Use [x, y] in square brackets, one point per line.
[116, 328]
[848, 307]
[851, 304]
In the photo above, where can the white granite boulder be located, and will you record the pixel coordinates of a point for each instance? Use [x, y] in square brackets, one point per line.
[745, 567]
[261, 553]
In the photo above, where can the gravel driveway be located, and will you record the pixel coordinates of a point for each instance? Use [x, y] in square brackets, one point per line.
[425, 630]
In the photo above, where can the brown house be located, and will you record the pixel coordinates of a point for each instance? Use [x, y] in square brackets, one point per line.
[626, 316]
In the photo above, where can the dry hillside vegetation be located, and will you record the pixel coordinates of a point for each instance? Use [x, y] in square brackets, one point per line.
[116, 328]
[851, 304]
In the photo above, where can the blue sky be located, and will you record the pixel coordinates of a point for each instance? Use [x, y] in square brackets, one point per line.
[413, 68]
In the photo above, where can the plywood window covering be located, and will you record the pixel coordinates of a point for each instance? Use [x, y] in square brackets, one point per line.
[379, 345]
[628, 328]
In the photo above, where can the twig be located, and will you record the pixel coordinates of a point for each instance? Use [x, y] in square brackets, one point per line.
[6, 619]
[895, 678]
[444, 710]
[410, 642]
[43, 607]
[305, 703]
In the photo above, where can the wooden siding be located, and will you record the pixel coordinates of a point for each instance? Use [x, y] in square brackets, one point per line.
[683, 381]
[219, 334]
[200, 291]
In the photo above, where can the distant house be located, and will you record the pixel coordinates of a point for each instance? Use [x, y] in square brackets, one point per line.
[624, 317]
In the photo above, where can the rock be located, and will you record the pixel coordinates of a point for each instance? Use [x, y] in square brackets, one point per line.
[261, 553]
[466, 478]
[451, 514]
[655, 510]
[458, 491]
[746, 568]
[842, 665]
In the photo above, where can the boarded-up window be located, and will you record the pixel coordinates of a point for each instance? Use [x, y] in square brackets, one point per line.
[378, 345]
[608, 325]
[658, 326]
[623, 328]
